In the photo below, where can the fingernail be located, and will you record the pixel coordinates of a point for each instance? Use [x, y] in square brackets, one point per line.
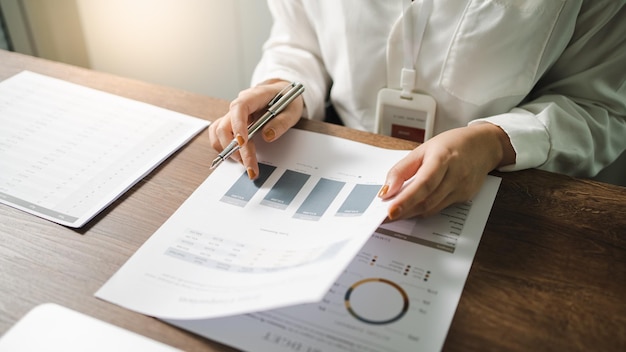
[394, 211]
[251, 173]
[240, 140]
[383, 191]
[269, 134]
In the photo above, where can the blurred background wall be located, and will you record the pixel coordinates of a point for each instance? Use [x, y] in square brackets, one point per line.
[204, 46]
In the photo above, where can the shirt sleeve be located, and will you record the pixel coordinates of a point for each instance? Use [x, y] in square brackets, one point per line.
[292, 53]
[574, 121]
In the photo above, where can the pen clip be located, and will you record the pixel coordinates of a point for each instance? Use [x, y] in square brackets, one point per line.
[280, 94]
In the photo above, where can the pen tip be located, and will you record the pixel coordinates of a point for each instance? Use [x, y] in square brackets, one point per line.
[216, 162]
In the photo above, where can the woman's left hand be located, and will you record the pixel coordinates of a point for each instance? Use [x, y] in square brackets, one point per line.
[448, 168]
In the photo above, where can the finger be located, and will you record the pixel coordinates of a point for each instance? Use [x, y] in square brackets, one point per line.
[432, 209]
[283, 121]
[412, 200]
[453, 190]
[436, 200]
[217, 130]
[250, 102]
[402, 171]
[221, 134]
[215, 143]
[249, 160]
[248, 105]
[427, 180]
[455, 187]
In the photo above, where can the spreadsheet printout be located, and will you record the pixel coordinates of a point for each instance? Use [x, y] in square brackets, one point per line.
[67, 151]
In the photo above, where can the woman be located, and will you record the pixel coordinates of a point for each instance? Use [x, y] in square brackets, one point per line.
[517, 85]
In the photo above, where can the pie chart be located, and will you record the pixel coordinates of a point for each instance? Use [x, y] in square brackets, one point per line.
[376, 301]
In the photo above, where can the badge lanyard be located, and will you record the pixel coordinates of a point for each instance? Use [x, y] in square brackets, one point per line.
[412, 44]
[402, 112]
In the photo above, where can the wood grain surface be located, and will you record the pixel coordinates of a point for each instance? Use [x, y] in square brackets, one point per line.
[549, 274]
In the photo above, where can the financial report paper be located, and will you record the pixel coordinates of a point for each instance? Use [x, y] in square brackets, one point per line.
[67, 151]
[237, 246]
[399, 293]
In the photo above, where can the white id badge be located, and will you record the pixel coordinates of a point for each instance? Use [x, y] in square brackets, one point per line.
[411, 117]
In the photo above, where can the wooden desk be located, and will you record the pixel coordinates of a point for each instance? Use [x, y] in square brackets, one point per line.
[549, 274]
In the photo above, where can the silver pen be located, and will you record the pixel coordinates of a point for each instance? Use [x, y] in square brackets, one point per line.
[274, 107]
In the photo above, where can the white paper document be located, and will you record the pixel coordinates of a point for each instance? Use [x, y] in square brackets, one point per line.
[237, 246]
[398, 294]
[54, 328]
[68, 151]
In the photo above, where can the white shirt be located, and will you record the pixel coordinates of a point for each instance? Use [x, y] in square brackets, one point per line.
[550, 73]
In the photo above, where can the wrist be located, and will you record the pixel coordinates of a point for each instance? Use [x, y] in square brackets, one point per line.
[508, 152]
[503, 149]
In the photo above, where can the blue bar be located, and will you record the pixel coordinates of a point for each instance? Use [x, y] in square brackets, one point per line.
[244, 189]
[285, 189]
[358, 200]
[318, 201]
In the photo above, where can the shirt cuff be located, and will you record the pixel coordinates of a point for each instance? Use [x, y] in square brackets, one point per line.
[528, 136]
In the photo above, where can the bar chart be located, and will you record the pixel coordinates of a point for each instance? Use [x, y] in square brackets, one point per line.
[290, 183]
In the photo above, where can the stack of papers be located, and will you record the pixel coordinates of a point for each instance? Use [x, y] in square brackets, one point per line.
[299, 256]
[68, 151]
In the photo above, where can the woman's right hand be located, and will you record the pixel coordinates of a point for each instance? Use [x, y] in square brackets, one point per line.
[248, 106]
